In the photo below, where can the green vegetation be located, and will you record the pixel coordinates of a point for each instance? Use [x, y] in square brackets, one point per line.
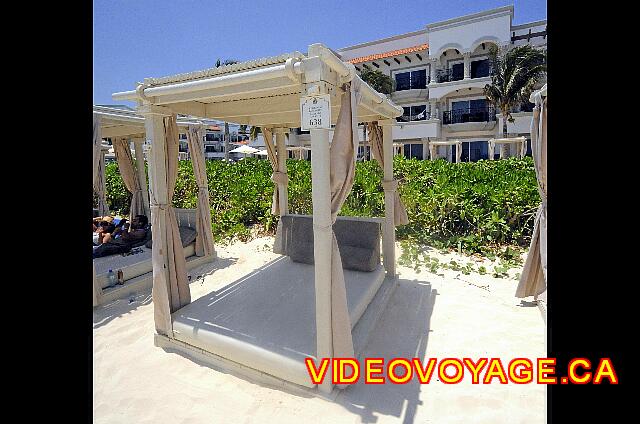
[380, 82]
[487, 207]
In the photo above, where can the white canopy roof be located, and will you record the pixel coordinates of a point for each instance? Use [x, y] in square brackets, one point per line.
[263, 92]
[118, 122]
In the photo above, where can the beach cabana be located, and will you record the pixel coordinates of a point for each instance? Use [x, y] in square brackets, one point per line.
[123, 126]
[435, 144]
[519, 143]
[266, 323]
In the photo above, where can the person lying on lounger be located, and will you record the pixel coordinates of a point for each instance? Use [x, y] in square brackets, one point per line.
[129, 232]
[104, 230]
[123, 237]
[99, 219]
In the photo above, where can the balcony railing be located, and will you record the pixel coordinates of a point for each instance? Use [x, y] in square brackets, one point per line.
[424, 115]
[447, 75]
[473, 114]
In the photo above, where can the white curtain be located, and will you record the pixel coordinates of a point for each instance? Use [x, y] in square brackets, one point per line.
[375, 137]
[171, 289]
[98, 167]
[277, 177]
[533, 280]
[204, 239]
[343, 151]
[490, 148]
[129, 175]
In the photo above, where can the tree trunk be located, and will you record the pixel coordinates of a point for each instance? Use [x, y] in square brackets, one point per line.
[504, 126]
[226, 141]
[364, 142]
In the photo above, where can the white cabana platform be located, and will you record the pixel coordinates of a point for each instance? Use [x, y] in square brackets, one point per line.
[121, 123]
[267, 322]
[267, 319]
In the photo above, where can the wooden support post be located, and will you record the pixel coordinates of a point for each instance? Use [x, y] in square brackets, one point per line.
[103, 169]
[97, 290]
[281, 149]
[155, 133]
[321, 197]
[388, 228]
[142, 175]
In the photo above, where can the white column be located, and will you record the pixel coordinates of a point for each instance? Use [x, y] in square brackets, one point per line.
[388, 228]
[281, 151]
[155, 133]
[432, 70]
[433, 109]
[142, 175]
[432, 151]
[425, 148]
[321, 198]
[467, 65]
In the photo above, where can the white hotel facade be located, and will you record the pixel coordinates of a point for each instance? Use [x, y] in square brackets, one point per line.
[440, 72]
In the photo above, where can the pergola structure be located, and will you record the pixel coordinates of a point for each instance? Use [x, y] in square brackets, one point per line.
[434, 144]
[286, 310]
[519, 142]
[124, 126]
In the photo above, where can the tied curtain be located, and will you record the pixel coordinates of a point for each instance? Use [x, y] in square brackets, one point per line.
[533, 280]
[129, 176]
[98, 167]
[343, 150]
[204, 238]
[170, 286]
[375, 138]
[277, 177]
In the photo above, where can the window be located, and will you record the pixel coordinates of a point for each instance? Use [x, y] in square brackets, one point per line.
[480, 68]
[209, 149]
[473, 151]
[403, 81]
[411, 80]
[413, 113]
[457, 71]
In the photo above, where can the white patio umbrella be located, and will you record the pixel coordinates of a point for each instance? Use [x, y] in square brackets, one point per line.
[262, 152]
[247, 150]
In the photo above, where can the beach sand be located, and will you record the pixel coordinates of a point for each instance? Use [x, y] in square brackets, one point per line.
[428, 315]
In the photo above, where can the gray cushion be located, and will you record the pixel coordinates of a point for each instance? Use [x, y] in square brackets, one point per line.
[187, 236]
[358, 241]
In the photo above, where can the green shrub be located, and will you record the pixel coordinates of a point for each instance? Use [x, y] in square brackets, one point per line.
[475, 207]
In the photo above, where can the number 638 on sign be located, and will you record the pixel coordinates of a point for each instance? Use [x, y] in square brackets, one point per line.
[315, 112]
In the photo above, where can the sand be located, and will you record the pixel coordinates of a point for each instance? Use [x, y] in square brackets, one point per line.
[429, 315]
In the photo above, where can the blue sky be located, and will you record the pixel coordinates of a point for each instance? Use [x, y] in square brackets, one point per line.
[134, 39]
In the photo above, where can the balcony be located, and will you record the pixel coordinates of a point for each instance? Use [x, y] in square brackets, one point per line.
[471, 114]
[416, 130]
[470, 119]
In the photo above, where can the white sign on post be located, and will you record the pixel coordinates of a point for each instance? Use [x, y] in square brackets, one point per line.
[315, 112]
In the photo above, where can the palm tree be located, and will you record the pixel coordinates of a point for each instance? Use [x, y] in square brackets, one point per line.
[515, 73]
[226, 124]
[253, 133]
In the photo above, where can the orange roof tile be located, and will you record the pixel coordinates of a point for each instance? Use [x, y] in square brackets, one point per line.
[389, 54]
